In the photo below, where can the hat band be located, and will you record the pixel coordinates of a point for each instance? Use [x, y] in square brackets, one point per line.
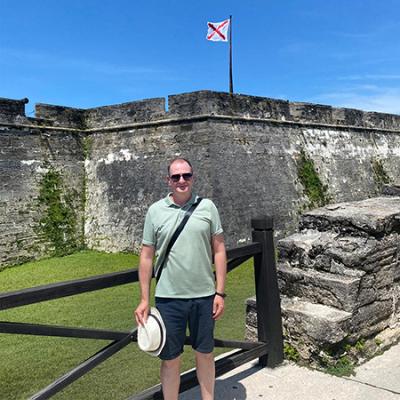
[161, 330]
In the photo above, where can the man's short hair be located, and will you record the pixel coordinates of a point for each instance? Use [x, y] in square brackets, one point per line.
[179, 159]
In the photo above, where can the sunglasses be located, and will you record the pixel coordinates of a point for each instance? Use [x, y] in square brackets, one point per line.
[177, 177]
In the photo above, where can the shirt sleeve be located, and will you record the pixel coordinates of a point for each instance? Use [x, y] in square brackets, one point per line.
[216, 226]
[149, 236]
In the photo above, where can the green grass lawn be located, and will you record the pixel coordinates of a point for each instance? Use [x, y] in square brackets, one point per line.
[29, 363]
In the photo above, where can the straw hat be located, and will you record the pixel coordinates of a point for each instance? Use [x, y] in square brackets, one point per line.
[151, 336]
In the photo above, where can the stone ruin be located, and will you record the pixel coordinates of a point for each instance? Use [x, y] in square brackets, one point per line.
[339, 279]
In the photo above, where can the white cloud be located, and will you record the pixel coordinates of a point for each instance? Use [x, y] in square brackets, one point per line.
[362, 77]
[385, 100]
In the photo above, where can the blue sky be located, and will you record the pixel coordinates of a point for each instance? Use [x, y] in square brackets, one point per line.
[86, 53]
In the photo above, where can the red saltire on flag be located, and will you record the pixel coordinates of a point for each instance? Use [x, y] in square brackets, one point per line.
[218, 31]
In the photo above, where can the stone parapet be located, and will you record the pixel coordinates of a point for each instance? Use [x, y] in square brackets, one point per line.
[12, 110]
[101, 117]
[220, 103]
[126, 113]
[60, 116]
[199, 103]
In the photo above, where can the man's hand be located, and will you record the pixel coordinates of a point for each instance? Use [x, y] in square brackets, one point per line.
[142, 312]
[218, 307]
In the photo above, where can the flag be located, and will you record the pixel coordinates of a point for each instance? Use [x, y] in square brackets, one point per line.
[218, 31]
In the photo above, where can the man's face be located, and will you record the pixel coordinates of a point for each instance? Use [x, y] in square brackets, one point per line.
[180, 178]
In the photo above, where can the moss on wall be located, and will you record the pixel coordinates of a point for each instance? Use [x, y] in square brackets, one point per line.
[314, 189]
[380, 175]
[87, 144]
[58, 223]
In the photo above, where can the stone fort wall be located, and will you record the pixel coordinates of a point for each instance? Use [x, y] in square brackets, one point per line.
[250, 154]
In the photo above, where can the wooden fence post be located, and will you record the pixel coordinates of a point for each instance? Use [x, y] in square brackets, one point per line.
[269, 320]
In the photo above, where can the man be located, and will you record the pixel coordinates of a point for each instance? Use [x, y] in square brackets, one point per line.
[186, 293]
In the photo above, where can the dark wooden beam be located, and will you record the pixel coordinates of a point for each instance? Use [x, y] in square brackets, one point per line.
[236, 344]
[268, 303]
[82, 369]
[229, 344]
[64, 289]
[246, 250]
[236, 262]
[61, 331]
[69, 288]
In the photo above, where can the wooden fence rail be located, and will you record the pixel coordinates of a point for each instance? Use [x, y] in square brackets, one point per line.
[268, 349]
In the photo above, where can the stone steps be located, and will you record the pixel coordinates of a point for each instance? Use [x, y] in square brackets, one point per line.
[339, 278]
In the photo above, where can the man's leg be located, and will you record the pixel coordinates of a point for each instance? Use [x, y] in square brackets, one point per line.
[205, 369]
[170, 378]
[174, 313]
[201, 325]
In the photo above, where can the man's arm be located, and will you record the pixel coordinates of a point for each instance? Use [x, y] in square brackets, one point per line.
[218, 246]
[145, 273]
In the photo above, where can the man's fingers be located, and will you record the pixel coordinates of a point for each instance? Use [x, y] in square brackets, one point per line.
[138, 318]
[218, 309]
[141, 313]
[141, 317]
[217, 315]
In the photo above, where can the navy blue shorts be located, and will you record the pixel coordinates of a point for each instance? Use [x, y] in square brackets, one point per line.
[177, 314]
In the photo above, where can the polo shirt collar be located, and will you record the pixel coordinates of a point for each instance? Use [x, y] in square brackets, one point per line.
[170, 203]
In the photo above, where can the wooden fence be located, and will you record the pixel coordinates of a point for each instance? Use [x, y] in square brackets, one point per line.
[268, 349]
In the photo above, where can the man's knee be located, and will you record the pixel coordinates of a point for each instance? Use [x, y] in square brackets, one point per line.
[174, 363]
[204, 356]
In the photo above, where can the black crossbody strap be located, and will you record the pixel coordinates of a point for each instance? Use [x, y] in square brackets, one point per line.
[178, 231]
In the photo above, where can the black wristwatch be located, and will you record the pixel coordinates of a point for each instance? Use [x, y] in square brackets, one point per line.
[223, 295]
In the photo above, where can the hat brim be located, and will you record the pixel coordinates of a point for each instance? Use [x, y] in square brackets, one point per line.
[157, 316]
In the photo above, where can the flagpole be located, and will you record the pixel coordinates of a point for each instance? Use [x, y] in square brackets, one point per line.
[230, 56]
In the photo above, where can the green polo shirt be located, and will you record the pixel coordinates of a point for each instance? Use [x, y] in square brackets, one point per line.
[188, 271]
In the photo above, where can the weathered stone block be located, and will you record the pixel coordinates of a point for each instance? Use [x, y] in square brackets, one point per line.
[304, 247]
[367, 217]
[309, 326]
[332, 290]
[371, 318]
